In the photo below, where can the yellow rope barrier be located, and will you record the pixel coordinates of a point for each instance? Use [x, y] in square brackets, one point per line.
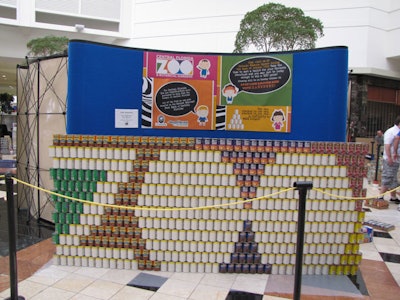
[150, 209]
[356, 198]
[194, 208]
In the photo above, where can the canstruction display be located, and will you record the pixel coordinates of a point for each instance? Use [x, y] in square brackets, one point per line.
[206, 205]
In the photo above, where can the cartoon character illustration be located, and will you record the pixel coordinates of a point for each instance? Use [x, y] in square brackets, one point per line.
[278, 119]
[230, 91]
[204, 67]
[202, 113]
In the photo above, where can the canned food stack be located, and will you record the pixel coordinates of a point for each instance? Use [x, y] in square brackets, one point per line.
[205, 205]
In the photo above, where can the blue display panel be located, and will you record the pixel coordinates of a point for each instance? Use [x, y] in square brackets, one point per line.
[104, 79]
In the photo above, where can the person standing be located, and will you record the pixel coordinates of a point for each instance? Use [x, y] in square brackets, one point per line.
[379, 143]
[390, 162]
[379, 138]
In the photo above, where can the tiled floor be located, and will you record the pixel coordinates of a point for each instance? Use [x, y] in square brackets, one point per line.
[41, 279]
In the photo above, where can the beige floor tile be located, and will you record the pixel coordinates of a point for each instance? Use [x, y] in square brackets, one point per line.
[91, 272]
[219, 280]
[209, 292]
[52, 293]
[161, 296]
[83, 297]
[120, 276]
[27, 289]
[372, 255]
[128, 292]
[249, 284]
[102, 289]
[192, 277]
[49, 275]
[177, 288]
[74, 283]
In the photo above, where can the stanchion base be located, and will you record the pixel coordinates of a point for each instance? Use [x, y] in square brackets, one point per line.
[19, 298]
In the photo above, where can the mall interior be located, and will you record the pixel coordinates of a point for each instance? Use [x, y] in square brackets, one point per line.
[351, 251]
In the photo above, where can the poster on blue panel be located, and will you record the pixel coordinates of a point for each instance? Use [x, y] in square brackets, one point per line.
[217, 92]
[257, 92]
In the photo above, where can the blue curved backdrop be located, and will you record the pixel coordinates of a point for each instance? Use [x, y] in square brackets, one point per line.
[102, 78]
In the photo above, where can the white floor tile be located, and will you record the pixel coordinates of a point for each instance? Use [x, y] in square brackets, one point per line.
[247, 283]
[120, 276]
[178, 288]
[161, 296]
[91, 272]
[394, 269]
[49, 275]
[372, 255]
[83, 297]
[391, 248]
[52, 293]
[128, 292]
[219, 280]
[102, 289]
[27, 289]
[160, 273]
[74, 283]
[209, 292]
[266, 297]
[192, 277]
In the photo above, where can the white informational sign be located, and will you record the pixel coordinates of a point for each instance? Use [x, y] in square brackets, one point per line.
[126, 118]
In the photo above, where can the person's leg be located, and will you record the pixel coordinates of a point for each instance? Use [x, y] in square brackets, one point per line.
[394, 168]
[385, 178]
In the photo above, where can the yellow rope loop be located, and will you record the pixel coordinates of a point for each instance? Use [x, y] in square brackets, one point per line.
[151, 209]
[194, 208]
[356, 198]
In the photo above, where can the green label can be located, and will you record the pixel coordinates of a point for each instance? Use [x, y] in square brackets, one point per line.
[95, 175]
[60, 174]
[82, 195]
[69, 218]
[89, 196]
[65, 228]
[77, 219]
[58, 228]
[72, 207]
[79, 207]
[55, 217]
[74, 174]
[67, 174]
[88, 175]
[79, 186]
[81, 175]
[56, 238]
[93, 186]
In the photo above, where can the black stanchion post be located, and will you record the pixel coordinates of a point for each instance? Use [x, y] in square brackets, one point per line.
[372, 149]
[12, 243]
[378, 152]
[302, 187]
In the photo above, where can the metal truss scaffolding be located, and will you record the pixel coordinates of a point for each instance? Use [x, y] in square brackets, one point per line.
[42, 93]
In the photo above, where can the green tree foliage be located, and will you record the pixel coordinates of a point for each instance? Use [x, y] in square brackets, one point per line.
[276, 27]
[48, 45]
[5, 103]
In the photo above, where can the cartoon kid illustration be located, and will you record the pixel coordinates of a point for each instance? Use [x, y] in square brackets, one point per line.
[202, 113]
[278, 119]
[204, 67]
[230, 91]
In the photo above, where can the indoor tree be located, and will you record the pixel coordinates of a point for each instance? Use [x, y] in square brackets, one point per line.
[48, 45]
[5, 103]
[276, 27]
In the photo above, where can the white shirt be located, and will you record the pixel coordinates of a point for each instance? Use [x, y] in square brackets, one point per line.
[388, 138]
